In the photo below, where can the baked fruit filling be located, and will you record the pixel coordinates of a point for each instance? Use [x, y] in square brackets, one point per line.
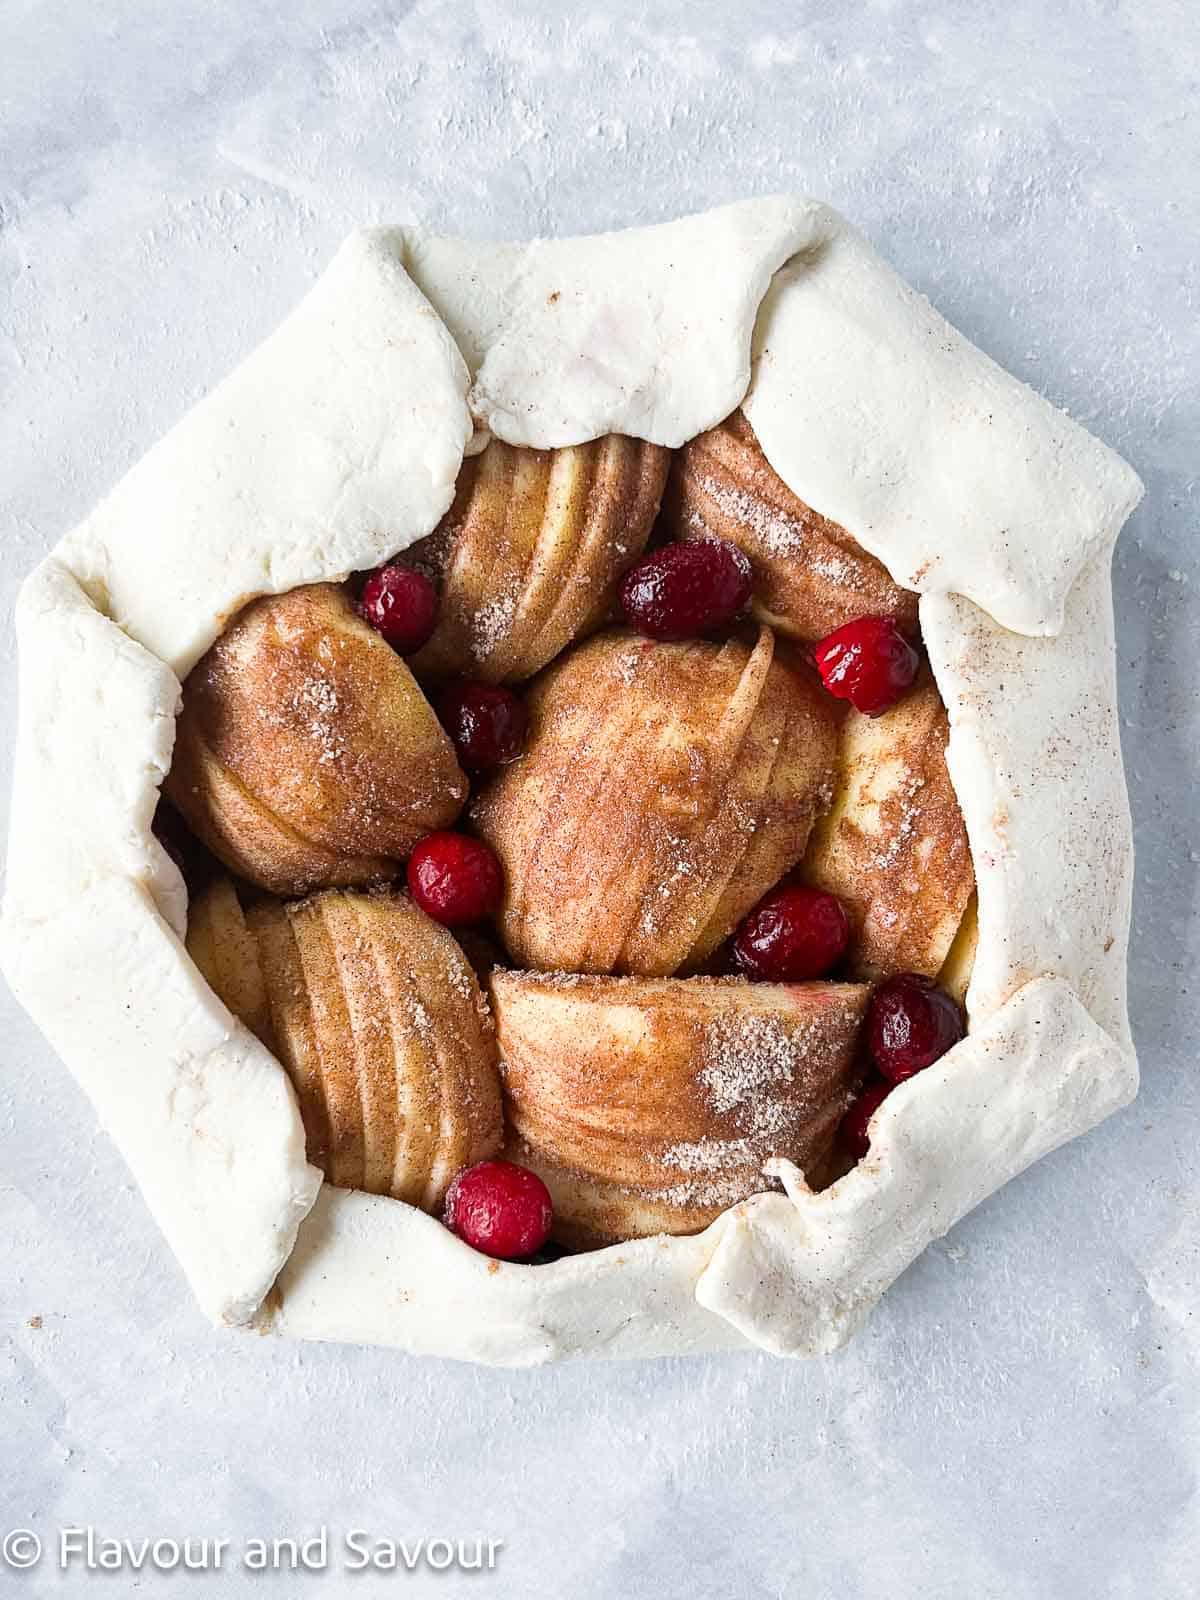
[665, 787]
[592, 853]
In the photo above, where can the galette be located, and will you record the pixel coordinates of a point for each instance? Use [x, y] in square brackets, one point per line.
[574, 806]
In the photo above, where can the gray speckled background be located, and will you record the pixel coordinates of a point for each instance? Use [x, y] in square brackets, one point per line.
[1020, 1419]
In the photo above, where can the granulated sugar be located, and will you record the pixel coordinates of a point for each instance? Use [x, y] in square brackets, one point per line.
[753, 1076]
[780, 534]
[490, 624]
[316, 700]
[744, 1058]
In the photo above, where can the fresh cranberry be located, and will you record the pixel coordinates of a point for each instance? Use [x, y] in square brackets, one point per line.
[910, 1024]
[793, 933]
[500, 1208]
[454, 879]
[486, 722]
[686, 589]
[402, 605]
[868, 662]
[854, 1124]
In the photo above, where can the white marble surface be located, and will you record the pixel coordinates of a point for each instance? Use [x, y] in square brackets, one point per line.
[1020, 1420]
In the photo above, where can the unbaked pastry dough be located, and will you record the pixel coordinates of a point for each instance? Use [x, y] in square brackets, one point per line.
[338, 443]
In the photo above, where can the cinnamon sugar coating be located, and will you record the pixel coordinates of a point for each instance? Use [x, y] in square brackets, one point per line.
[893, 846]
[664, 789]
[377, 1018]
[810, 574]
[530, 554]
[306, 754]
[650, 1105]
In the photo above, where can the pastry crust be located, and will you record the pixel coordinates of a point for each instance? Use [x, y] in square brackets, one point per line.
[649, 1105]
[664, 788]
[306, 754]
[810, 575]
[529, 555]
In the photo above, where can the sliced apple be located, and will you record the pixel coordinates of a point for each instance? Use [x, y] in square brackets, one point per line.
[530, 554]
[226, 953]
[955, 976]
[306, 754]
[663, 789]
[377, 1018]
[650, 1105]
[810, 574]
[893, 847]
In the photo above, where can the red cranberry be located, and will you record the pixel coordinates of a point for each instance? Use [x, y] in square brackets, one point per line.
[500, 1208]
[910, 1024]
[686, 589]
[454, 879]
[486, 722]
[793, 933]
[402, 605]
[868, 662]
[854, 1124]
